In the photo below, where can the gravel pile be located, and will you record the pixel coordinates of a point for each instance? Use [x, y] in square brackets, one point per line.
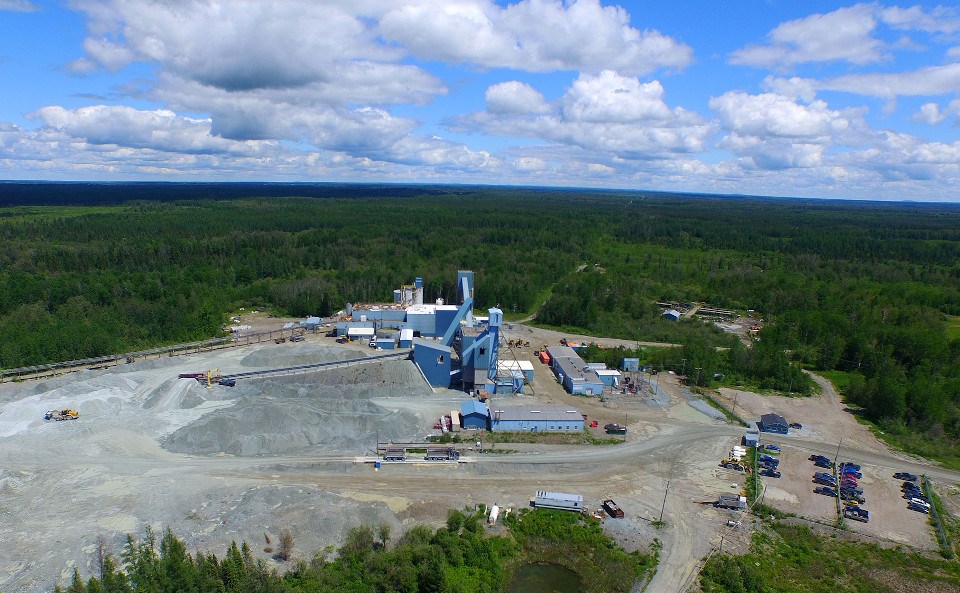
[332, 408]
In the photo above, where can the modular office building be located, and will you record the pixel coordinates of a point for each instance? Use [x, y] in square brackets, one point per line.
[535, 420]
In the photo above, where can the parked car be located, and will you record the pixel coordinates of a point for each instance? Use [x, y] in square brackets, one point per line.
[851, 490]
[905, 476]
[825, 482]
[910, 486]
[772, 448]
[770, 473]
[825, 491]
[823, 463]
[796, 425]
[850, 465]
[919, 509]
[815, 457]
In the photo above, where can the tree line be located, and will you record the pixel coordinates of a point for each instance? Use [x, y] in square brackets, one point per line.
[457, 558]
[871, 290]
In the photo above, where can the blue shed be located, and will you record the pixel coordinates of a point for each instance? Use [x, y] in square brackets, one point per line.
[386, 343]
[630, 364]
[609, 377]
[433, 358]
[474, 414]
[406, 338]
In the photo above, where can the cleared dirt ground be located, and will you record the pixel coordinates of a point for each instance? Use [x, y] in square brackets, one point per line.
[225, 464]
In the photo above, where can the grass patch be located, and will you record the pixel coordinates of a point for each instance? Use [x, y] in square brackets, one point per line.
[720, 407]
[840, 379]
[942, 448]
[947, 548]
[953, 327]
[791, 558]
[577, 542]
[548, 438]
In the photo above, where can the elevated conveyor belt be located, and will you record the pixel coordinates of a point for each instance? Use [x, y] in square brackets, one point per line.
[315, 366]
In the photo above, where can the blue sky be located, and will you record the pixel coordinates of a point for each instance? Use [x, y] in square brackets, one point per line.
[814, 99]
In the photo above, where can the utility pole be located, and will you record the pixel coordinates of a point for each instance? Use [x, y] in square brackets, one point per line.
[665, 491]
[683, 368]
[698, 369]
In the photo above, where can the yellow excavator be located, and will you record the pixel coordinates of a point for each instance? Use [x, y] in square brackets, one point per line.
[212, 378]
[60, 415]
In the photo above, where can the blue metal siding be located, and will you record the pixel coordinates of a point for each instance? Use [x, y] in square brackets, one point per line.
[444, 318]
[630, 364]
[434, 361]
[475, 420]
[537, 425]
[424, 323]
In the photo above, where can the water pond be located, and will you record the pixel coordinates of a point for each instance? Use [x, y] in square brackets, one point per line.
[544, 578]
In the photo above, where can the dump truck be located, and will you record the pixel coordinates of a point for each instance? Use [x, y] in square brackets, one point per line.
[60, 415]
[395, 454]
[442, 454]
[612, 509]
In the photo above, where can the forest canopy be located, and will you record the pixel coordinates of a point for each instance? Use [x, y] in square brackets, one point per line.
[867, 291]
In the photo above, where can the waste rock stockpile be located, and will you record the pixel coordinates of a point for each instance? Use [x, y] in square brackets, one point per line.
[329, 408]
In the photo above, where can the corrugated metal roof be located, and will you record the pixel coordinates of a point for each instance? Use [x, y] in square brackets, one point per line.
[607, 372]
[474, 407]
[559, 496]
[432, 344]
[773, 419]
[542, 413]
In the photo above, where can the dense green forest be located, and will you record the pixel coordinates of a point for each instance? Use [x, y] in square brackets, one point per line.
[457, 558]
[868, 291]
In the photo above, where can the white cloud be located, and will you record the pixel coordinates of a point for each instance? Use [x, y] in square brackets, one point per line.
[531, 35]
[793, 87]
[514, 97]
[770, 114]
[611, 98]
[932, 80]
[607, 113]
[930, 113]
[17, 5]
[842, 35]
[927, 81]
[775, 132]
[938, 20]
[128, 127]
[241, 45]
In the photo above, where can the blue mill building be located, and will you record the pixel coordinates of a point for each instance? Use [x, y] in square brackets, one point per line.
[450, 346]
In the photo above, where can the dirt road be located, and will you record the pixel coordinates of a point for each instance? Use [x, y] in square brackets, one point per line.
[225, 464]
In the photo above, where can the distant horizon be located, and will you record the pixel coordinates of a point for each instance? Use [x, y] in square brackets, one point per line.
[812, 100]
[478, 186]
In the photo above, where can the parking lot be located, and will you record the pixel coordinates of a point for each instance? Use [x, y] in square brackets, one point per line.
[890, 519]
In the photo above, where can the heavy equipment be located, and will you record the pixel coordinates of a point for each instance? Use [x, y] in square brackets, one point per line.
[60, 415]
